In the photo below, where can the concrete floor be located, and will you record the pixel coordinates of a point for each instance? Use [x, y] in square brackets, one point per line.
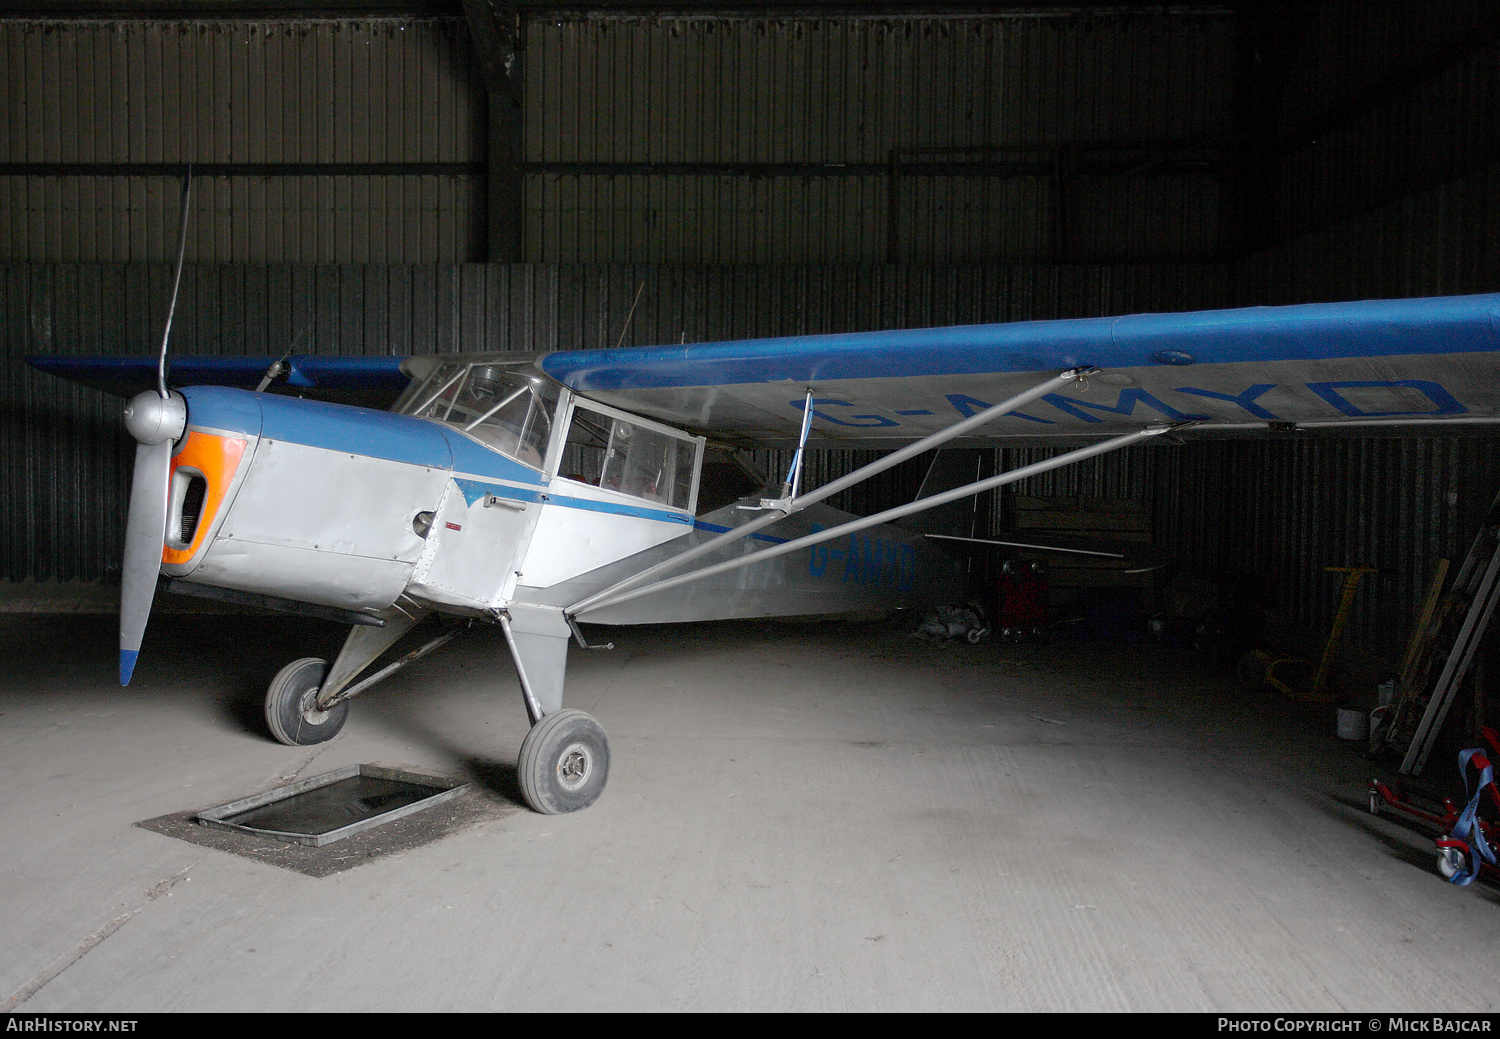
[815, 817]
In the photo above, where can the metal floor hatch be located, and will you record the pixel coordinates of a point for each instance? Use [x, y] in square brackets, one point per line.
[335, 805]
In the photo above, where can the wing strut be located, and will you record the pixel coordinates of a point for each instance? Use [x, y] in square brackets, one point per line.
[793, 482]
[887, 516]
[779, 508]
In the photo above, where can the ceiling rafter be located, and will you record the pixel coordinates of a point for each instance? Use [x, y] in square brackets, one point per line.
[313, 9]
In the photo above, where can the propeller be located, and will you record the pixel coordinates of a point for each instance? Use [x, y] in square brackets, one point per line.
[155, 422]
[156, 418]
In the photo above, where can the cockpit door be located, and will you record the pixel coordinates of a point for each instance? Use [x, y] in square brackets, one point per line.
[621, 484]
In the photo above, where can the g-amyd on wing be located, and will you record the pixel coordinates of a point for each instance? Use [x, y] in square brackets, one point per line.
[1373, 363]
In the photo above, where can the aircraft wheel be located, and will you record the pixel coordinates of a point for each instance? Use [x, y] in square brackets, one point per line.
[564, 763]
[1451, 862]
[291, 713]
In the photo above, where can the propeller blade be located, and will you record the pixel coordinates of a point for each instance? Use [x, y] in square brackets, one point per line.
[155, 422]
[144, 534]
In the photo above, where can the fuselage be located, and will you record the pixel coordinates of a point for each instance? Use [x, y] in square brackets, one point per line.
[471, 502]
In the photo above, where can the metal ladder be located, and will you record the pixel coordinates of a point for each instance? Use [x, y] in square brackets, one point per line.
[1478, 585]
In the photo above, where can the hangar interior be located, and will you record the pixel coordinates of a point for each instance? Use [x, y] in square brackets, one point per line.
[393, 177]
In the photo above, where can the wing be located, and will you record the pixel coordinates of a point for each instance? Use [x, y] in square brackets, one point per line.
[1385, 363]
[376, 378]
[1426, 362]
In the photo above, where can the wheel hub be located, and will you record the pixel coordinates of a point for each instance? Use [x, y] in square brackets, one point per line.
[574, 766]
[311, 713]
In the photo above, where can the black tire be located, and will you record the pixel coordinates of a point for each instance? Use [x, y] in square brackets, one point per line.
[564, 763]
[290, 713]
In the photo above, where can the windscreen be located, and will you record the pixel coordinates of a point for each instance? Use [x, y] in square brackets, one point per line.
[504, 409]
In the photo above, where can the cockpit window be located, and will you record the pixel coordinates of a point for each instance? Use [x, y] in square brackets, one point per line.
[505, 409]
[727, 478]
[617, 454]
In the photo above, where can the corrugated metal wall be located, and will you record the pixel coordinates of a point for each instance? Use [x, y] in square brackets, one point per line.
[64, 455]
[1354, 44]
[1281, 510]
[725, 139]
[945, 98]
[612, 95]
[1439, 242]
[422, 218]
[621, 88]
[398, 92]
[1402, 189]
[1386, 101]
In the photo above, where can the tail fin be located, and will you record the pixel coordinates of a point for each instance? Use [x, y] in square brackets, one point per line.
[953, 467]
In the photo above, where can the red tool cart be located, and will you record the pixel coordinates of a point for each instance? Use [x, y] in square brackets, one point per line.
[1464, 851]
[1023, 600]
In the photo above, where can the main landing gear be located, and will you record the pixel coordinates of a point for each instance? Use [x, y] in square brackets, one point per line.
[564, 761]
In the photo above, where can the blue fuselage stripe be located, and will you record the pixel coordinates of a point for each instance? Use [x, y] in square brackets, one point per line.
[356, 431]
[359, 431]
[473, 490]
[475, 458]
[394, 438]
[717, 528]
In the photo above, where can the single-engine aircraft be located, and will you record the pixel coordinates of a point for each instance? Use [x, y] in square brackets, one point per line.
[536, 491]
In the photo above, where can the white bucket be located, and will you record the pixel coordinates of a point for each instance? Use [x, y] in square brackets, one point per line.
[1354, 724]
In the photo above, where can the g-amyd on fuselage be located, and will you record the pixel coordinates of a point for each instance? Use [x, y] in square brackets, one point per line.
[490, 491]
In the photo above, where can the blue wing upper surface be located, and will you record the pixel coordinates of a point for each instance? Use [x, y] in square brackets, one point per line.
[1382, 362]
[1427, 362]
[1445, 324]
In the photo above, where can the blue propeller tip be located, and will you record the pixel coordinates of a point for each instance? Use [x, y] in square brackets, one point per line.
[127, 664]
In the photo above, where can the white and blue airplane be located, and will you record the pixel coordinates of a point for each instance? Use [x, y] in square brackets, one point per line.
[540, 491]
